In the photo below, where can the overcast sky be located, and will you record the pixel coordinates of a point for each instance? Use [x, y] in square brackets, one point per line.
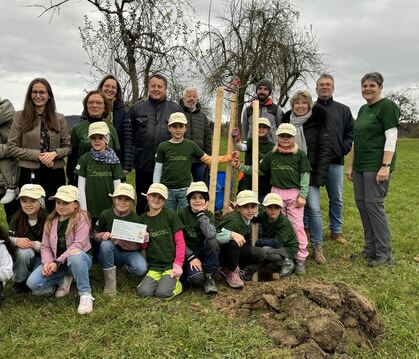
[356, 37]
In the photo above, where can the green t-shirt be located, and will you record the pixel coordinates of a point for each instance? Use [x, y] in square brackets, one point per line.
[177, 161]
[369, 138]
[280, 231]
[233, 221]
[61, 244]
[161, 250]
[285, 168]
[264, 180]
[80, 143]
[192, 231]
[99, 182]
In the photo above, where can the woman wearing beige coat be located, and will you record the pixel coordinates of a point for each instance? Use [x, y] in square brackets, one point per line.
[39, 139]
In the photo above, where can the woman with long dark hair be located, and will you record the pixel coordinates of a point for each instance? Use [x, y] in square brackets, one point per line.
[40, 140]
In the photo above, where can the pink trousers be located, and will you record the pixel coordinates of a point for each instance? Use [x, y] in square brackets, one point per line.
[296, 217]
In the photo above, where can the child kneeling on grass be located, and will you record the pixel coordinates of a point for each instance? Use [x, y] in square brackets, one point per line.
[174, 161]
[202, 248]
[234, 237]
[289, 170]
[6, 261]
[26, 234]
[113, 251]
[166, 247]
[278, 237]
[65, 250]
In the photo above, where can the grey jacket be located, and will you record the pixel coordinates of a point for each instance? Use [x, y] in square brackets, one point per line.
[149, 120]
[6, 116]
[6, 263]
[26, 146]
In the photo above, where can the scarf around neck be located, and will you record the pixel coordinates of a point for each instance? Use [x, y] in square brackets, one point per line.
[298, 122]
[108, 156]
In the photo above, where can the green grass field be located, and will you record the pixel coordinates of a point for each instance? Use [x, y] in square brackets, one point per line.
[126, 326]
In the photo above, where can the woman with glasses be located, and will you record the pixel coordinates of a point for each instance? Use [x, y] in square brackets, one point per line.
[40, 140]
[95, 108]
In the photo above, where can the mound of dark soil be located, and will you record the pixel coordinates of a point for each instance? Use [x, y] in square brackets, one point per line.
[315, 319]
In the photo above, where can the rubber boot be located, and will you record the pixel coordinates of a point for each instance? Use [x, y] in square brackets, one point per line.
[109, 276]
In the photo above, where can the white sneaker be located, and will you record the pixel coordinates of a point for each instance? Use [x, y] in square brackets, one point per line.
[64, 287]
[9, 196]
[86, 304]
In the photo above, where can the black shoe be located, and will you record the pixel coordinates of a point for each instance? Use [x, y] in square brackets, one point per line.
[287, 267]
[209, 285]
[382, 261]
[362, 254]
[20, 288]
[247, 273]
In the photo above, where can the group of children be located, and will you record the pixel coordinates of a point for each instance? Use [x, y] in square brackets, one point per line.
[179, 247]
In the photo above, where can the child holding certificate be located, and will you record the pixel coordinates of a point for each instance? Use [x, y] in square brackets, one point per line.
[99, 172]
[202, 248]
[113, 251]
[65, 250]
[174, 161]
[166, 247]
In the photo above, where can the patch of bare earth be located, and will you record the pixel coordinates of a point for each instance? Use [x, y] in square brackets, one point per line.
[315, 319]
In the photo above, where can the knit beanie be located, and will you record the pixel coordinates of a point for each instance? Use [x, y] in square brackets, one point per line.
[265, 82]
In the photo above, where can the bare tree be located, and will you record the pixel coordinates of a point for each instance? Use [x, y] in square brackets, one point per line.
[134, 38]
[255, 40]
[406, 100]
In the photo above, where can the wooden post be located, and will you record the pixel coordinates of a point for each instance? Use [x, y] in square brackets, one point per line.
[255, 167]
[230, 149]
[215, 147]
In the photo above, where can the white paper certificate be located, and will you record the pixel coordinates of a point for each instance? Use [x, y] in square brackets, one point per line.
[128, 231]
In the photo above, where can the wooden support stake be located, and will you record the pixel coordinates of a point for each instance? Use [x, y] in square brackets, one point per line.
[230, 149]
[215, 148]
[255, 167]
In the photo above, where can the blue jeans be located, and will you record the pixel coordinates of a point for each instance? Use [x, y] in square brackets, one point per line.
[176, 199]
[77, 265]
[26, 261]
[198, 172]
[313, 216]
[111, 256]
[334, 188]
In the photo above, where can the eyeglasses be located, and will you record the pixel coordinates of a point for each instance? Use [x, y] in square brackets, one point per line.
[40, 93]
[98, 103]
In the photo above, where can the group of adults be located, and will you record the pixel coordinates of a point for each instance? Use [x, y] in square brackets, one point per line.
[39, 140]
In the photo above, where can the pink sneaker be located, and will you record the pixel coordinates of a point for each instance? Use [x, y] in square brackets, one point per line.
[233, 278]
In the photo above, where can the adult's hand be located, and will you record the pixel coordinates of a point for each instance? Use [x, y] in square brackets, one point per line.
[383, 174]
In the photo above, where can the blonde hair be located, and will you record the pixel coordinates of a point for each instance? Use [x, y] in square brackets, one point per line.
[77, 216]
[302, 95]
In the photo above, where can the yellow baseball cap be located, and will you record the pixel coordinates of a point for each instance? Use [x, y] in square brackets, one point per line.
[273, 198]
[197, 187]
[286, 128]
[124, 189]
[246, 197]
[67, 194]
[30, 190]
[98, 128]
[177, 117]
[160, 189]
[264, 121]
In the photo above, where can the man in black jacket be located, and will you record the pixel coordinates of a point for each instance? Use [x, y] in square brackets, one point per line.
[340, 125]
[149, 119]
[199, 130]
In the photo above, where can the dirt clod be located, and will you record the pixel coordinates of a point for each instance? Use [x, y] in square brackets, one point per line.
[315, 319]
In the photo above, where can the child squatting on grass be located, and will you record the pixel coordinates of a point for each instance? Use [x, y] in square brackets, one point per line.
[65, 250]
[113, 251]
[174, 161]
[234, 238]
[6, 261]
[289, 170]
[25, 234]
[99, 172]
[265, 146]
[278, 237]
[166, 247]
[202, 249]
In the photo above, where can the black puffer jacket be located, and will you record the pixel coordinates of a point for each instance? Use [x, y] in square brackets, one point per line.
[199, 129]
[150, 120]
[318, 144]
[122, 124]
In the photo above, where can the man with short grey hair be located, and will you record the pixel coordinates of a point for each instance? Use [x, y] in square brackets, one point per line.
[340, 125]
[199, 130]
